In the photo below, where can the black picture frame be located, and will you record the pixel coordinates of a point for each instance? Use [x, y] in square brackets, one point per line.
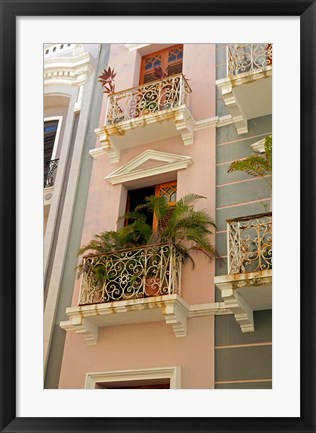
[9, 11]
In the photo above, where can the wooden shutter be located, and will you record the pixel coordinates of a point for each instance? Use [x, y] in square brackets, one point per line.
[169, 191]
[170, 58]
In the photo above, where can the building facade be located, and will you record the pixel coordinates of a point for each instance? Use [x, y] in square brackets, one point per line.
[201, 327]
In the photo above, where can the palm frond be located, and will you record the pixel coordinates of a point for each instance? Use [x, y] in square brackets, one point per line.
[255, 165]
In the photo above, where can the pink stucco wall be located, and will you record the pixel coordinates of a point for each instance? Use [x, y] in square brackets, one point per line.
[144, 345]
[154, 344]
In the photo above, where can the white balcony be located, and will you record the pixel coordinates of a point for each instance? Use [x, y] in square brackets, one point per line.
[147, 113]
[247, 90]
[248, 285]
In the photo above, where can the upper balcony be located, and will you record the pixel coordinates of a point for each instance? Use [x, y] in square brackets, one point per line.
[147, 113]
[247, 89]
[134, 285]
[248, 285]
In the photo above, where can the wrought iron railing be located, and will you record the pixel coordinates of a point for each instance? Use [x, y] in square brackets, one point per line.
[248, 58]
[130, 274]
[149, 98]
[250, 244]
[50, 172]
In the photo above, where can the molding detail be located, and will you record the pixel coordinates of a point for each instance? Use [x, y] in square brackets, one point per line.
[206, 123]
[70, 70]
[166, 162]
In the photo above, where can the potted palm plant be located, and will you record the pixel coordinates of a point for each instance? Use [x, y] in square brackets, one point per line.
[183, 228]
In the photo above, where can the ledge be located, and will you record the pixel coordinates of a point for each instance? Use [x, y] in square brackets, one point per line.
[172, 309]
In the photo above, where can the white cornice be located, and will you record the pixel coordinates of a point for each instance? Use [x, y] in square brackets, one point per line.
[205, 123]
[132, 170]
[70, 70]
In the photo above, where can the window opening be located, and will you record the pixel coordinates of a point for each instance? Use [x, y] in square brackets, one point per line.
[50, 131]
[135, 384]
[138, 196]
[169, 59]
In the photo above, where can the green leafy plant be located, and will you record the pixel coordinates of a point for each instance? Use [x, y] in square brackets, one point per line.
[187, 229]
[256, 165]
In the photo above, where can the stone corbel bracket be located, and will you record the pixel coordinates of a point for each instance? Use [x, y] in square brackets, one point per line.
[185, 125]
[106, 145]
[81, 326]
[241, 310]
[238, 116]
[175, 314]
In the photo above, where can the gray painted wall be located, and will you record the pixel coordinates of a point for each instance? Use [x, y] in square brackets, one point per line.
[247, 363]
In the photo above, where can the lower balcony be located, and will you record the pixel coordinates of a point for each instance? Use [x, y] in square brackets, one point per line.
[153, 111]
[248, 285]
[135, 285]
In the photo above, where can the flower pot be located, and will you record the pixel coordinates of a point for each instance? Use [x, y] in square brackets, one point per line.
[152, 287]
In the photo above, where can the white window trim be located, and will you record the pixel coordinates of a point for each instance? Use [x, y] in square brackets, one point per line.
[145, 49]
[172, 373]
[131, 170]
[60, 119]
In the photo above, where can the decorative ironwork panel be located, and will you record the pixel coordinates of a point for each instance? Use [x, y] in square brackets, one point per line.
[130, 274]
[250, 244]
[248, 57]
[150, 98]
[50, 172]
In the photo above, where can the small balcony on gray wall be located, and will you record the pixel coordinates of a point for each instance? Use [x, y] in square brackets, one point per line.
[247, 287]
[247, 88]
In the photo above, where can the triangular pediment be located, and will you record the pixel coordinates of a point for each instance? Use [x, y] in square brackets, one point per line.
[149, 163]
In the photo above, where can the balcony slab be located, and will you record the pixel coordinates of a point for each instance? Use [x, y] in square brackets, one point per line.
[176, 121]
[171, 309]
[87, 319]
